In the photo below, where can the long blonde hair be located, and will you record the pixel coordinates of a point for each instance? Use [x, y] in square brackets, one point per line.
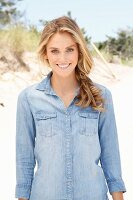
[89, 94]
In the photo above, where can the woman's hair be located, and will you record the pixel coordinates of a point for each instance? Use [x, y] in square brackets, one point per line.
[89, 94]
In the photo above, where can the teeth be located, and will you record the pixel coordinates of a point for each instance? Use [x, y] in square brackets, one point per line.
[63, 66]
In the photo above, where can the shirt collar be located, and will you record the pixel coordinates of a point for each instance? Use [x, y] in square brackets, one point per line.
[45, 85]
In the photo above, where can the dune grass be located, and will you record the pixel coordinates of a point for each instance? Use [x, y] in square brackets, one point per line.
[19, 38]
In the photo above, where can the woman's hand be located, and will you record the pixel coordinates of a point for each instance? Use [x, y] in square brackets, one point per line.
[22, 199]
[117, 195]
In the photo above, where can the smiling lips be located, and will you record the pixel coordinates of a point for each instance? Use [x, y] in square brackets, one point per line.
[63, 66]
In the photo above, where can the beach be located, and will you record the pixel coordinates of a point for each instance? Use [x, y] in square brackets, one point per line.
[120, 83]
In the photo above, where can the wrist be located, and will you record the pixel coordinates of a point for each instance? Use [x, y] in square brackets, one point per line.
[117, 195]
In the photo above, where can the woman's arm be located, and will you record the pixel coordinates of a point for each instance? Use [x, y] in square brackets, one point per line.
[25, 141]
[117, 195]
[110, 156]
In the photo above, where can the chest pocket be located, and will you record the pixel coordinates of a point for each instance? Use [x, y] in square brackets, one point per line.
[46, 123]
[89, 123]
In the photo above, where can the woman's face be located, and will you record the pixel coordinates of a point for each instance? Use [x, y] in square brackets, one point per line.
[62, 54]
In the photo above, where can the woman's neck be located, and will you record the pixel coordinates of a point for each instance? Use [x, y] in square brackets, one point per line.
[64, 85]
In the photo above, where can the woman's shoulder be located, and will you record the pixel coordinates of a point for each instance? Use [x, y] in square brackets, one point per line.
[27, 90]
[31, 90]
[105, 92]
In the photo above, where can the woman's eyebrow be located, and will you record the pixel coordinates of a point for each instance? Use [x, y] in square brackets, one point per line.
[73, 45]
[53, 48]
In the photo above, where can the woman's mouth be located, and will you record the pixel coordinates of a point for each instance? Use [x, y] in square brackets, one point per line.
[63, 66]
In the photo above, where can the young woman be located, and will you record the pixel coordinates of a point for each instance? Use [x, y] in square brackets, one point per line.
[66, 125]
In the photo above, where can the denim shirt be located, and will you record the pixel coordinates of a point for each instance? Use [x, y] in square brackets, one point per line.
[75, 150]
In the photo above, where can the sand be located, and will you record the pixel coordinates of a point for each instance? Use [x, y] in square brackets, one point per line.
[121, 88]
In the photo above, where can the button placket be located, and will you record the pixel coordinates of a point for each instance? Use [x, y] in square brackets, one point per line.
[68, 158]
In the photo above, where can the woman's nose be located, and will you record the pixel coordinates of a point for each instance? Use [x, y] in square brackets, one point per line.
[62, 57]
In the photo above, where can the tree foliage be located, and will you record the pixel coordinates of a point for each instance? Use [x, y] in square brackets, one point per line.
[8, 11]
[121, 46]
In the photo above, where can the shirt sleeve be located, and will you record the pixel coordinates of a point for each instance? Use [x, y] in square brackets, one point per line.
[110, 156]
[25, 141]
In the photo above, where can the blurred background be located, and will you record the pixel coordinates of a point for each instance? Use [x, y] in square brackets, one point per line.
[107, 26]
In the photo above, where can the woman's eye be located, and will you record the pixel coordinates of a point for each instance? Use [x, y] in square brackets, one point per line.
[54, 51]
[70, 50]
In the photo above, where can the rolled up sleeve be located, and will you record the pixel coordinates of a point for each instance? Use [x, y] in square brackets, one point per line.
[25, 141]
[110, 156]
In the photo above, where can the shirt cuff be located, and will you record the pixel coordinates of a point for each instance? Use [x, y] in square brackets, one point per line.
[116, 186]
[23, 191]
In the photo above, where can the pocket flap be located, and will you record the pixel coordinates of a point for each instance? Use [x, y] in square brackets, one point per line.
[92, 115]
[43, 115]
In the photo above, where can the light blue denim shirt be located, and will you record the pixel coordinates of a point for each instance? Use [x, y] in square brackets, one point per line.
[75, 149]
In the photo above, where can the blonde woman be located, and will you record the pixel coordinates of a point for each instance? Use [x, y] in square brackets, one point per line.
[66, 125]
